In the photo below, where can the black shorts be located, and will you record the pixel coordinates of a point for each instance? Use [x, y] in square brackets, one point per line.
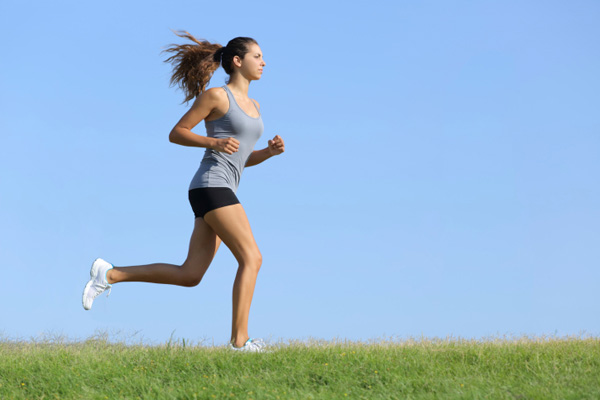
[204, 200]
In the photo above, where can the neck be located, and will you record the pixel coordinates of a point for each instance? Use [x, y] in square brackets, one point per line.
[239, 84]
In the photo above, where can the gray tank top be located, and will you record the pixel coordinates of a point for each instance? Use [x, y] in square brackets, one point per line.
[222, 169]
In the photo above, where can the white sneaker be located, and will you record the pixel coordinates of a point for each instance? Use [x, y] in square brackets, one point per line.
[97, 284]
[251, 345]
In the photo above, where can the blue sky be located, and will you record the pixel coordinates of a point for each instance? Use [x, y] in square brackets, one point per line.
[440, 176]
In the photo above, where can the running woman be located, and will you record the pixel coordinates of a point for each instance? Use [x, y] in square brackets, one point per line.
[233, 125]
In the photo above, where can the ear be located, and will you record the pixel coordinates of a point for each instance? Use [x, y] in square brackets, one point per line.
[237, 61]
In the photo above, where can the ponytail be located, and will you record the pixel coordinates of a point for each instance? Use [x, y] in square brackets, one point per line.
[193, 64]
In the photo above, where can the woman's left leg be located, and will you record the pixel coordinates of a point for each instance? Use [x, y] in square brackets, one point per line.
[203, 246]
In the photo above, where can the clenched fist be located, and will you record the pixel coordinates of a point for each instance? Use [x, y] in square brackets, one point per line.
[276, 145]
[226, 145]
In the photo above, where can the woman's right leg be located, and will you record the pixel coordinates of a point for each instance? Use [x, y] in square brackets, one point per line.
[231, 224]
[203, 247]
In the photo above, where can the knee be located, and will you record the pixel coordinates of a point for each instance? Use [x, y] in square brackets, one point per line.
[191, 281]
[253, 261]
[259, 258]
[190, 278]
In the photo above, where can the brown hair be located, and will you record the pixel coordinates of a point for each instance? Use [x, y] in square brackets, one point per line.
[194, 64]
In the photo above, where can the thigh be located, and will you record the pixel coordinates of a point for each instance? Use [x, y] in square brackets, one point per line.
[231, 225]
[204, 244]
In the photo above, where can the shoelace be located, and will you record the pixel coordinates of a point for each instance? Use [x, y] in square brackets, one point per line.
[256, 346]
[259, 343]
[99, 292]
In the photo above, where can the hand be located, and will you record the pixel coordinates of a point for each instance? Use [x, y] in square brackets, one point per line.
[226, 145]
[276, 146]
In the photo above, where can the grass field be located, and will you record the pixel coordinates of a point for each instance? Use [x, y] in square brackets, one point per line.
[526, 368]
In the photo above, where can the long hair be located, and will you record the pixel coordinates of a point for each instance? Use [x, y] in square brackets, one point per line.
[194, 64]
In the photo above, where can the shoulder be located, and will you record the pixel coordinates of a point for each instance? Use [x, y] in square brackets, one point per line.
[256, 102]
[215, 93]
[213, 97]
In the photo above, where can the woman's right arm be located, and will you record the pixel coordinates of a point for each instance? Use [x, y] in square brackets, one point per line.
[203, 105]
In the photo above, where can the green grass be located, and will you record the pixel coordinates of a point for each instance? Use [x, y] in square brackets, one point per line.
[526, 368]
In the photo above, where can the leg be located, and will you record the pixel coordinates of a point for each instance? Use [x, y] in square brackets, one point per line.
[231, 225]
[203, 247]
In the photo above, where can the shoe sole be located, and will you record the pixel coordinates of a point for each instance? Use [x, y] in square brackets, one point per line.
[248, 351]
[87, 286]
[93, 273]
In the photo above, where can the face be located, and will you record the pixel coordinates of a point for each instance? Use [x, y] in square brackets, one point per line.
[252, 65]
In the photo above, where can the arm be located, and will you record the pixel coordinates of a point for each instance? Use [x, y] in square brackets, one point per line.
[276, 147]
[258, 156]
[203, 106]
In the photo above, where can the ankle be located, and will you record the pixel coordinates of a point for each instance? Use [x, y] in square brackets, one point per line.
[239, 342]
[109, 276]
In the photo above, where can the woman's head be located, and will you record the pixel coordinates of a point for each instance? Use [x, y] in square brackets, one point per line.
[194, 64]
[238, 47]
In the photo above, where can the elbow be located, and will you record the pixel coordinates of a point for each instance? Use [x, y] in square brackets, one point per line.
[173, 136]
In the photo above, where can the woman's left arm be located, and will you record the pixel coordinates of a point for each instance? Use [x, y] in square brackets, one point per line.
[276, 147]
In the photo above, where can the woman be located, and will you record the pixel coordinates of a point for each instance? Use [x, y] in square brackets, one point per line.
[233, 124]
